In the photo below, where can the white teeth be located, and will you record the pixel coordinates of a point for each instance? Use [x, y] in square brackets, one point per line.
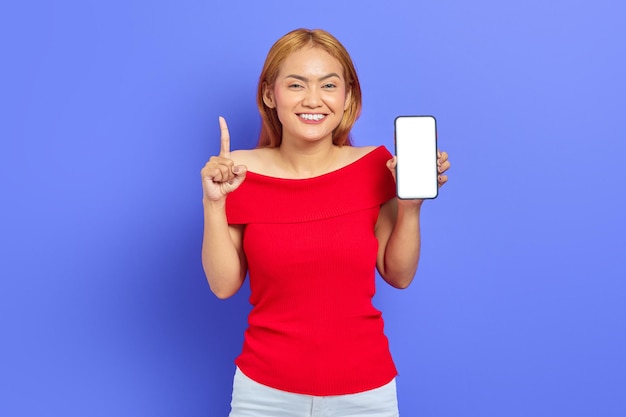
[312, 116]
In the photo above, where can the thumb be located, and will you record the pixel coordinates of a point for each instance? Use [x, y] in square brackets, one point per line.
[391, 164]
[240, 170]
[240, 174]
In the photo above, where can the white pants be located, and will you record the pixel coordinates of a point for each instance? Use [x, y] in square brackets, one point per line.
[251, 399]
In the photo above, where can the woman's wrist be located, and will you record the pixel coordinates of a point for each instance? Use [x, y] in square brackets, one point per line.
[410, 205]
[214, 205]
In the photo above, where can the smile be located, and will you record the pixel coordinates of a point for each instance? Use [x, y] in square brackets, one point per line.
[315, 117]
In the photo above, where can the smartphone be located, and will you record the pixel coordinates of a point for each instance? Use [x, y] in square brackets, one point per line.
[416, 152]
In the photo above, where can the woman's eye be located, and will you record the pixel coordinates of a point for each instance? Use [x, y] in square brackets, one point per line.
[295, 86]
[329, 85]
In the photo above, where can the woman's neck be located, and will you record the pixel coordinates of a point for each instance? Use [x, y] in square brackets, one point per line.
[306, 159]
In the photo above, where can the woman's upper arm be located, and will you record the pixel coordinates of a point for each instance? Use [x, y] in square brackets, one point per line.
[236, 232]
[384, 226]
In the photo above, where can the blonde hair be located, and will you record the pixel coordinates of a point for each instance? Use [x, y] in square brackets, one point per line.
[271, 128]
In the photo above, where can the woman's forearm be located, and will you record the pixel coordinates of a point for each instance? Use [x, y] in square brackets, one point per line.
[222, 253]
[403, 247]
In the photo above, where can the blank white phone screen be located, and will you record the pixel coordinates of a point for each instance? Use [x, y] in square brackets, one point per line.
[416, 151]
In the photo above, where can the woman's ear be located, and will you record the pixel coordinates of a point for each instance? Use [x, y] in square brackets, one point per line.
[268, 96]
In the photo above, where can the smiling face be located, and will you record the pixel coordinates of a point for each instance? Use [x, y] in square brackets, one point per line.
[310, 95]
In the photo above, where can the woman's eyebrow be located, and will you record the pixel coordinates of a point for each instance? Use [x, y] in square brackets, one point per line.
[306, 80]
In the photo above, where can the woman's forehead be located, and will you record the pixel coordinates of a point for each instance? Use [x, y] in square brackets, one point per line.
[312, 61]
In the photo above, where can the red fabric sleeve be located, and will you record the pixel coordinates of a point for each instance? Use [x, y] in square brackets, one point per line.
[362, 184]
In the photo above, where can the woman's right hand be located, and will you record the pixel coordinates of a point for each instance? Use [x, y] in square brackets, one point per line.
[220, 176]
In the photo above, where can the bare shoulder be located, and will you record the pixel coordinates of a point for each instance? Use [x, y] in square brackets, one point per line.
[360, 151]
[354, 153]
[253, 159]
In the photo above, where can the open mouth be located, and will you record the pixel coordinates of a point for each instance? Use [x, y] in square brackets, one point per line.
[312, 116]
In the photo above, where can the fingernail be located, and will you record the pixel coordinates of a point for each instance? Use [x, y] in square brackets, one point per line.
[235, 169]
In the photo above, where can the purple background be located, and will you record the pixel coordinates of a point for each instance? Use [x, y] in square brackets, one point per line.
[109, 110]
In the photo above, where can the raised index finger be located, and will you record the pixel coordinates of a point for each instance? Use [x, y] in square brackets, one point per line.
[225, 139]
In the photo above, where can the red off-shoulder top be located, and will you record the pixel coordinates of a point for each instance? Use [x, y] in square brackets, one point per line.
[311, 252]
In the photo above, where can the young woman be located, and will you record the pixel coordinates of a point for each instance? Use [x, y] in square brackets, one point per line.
[310, 218]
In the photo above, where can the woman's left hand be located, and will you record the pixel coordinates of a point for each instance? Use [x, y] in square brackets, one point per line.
[442, 166]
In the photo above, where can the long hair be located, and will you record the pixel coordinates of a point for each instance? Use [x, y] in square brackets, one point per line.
[271, 128]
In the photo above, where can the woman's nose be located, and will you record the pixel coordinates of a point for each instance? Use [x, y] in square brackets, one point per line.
[312, 98]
